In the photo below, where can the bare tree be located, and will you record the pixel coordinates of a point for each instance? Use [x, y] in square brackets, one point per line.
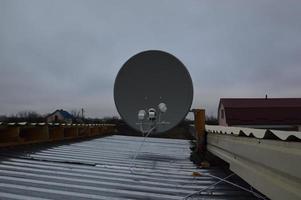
[28, 116]
[75, 113]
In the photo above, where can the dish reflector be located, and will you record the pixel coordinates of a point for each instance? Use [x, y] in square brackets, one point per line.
[153, 88]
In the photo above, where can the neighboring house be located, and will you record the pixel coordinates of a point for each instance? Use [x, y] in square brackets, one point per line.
[60, 116]
[271, 113]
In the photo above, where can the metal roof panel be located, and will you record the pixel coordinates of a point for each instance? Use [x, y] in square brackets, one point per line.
[256, 133]
[100, 169]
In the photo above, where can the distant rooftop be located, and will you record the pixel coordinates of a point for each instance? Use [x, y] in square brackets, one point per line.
[64, 113]
[262, 111]
[261, 102]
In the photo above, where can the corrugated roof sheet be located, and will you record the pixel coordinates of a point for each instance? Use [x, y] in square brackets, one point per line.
[256, 133]
[99, 169]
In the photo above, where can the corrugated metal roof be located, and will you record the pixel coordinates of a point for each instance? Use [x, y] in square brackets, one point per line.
[99, 169]
[256, 133]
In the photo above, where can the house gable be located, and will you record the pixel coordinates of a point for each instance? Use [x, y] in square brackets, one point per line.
[60, 115]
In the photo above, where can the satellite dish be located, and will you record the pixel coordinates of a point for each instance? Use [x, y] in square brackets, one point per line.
[153, 90]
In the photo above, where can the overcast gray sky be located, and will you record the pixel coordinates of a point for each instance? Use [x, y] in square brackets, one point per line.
[66, 54]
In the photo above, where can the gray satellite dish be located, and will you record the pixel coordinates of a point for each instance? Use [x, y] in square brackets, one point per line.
[153, 90]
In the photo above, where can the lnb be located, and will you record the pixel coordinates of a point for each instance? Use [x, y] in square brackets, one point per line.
[141, 115]
[152, 114]
[162, 107]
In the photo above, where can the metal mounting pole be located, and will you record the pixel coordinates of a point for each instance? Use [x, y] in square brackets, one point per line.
[199, 124]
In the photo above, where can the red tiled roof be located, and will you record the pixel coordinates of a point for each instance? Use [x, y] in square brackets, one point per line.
[270, 111]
